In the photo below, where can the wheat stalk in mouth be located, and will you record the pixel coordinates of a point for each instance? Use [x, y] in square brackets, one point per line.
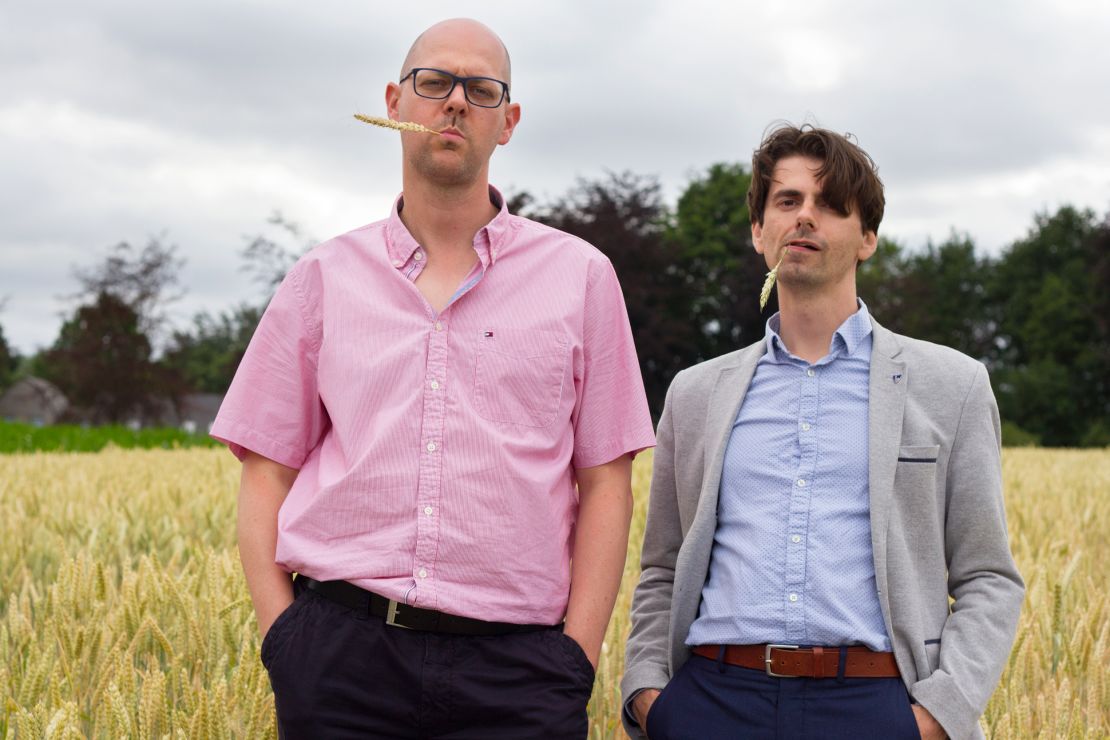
[396, 125]
[765, 292]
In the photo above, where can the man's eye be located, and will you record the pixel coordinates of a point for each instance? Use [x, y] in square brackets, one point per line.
[483, 92]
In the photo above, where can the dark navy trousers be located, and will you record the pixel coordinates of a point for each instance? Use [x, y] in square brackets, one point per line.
[709, 699]
[338, 674]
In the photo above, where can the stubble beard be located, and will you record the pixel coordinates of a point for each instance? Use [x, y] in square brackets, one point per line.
[814, 279]
[794, 273]
[446, 174]
[798, 279]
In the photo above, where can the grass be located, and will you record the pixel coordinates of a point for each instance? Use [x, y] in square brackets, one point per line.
[18, 437]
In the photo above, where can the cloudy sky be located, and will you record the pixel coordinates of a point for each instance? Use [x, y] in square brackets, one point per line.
[121, 120]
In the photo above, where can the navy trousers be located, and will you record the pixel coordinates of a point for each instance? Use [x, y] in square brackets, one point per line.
[338, 674]
[709, 699]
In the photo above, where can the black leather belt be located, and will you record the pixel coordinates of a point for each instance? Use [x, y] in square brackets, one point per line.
[397, 614]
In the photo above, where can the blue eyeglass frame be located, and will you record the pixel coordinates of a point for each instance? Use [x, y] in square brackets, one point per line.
[455, 80]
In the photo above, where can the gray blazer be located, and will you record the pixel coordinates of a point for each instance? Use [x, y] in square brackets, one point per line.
[937, 530]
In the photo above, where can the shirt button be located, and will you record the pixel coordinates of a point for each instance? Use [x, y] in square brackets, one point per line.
[439, 326]
[435, 385]
[428, 510]
[431, 447]
[810, 372]
[423, 573]
[418, 256]
[793, 597]
[805, 426]
[801, 481]
[796, 538]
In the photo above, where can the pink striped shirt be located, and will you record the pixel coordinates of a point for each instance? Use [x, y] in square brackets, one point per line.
[437, 452]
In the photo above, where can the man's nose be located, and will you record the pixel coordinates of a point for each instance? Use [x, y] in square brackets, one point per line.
[807, 215]
[456, 102]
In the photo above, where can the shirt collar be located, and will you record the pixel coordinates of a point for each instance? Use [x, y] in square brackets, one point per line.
[846, 339]
[489, 242]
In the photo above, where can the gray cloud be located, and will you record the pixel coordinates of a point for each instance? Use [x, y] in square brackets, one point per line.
[122, 119]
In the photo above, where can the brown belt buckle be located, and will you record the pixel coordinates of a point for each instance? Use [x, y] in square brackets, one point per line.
[767, 659]
[391, 616]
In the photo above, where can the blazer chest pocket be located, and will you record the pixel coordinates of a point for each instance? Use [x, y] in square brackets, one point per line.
[519, 376]
[918, 454]
[917, 468]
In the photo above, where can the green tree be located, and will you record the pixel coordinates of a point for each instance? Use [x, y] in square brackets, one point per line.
[102, 362]
[268, 255]
[720, 268]
[623, 215]
[1051, 356]
[877, 279]
[145, 279]
[207, 355]
[938, 294]
[1098, 433]
[9, 361]
[102, 358]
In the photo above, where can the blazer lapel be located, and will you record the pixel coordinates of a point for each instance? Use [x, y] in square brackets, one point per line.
[692, 564]
[887, 388]
[724, 403]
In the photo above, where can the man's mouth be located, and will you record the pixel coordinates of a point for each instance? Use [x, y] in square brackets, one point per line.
[802, 245]
[452, 133]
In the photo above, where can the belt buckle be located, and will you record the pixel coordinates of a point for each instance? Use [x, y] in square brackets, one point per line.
[767, 659]
[391, 616]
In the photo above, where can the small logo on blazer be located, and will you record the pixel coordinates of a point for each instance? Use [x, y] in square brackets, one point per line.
[896, 378]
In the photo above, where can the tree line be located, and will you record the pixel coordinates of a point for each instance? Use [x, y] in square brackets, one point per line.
[1037, 314]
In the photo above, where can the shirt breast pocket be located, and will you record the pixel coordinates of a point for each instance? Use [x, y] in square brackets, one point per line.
[519, 376]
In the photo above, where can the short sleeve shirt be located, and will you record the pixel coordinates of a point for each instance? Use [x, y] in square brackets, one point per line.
[436, 452]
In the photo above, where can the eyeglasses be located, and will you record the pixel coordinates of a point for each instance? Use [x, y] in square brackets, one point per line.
[484, 92]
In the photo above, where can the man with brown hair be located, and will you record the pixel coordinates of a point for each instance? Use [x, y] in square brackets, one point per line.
[818, 498]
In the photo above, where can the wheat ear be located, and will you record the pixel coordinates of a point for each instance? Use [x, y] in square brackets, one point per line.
[765, 292]
[396, 125]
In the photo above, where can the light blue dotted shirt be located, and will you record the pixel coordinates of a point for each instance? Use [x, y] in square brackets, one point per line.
[792, 560]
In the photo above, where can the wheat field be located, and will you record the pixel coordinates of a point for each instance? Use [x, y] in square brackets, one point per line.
[123, 612]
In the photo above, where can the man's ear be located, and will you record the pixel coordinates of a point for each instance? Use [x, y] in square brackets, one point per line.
[867, 248]
[392, 97]
[512, 118]
[757, 237]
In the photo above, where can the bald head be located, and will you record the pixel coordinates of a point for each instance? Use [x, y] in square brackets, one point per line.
[454, 34]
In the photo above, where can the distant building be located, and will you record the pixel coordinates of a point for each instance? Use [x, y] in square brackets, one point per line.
[33, 401]
[194, 413]
[39, 402]
[198, 411]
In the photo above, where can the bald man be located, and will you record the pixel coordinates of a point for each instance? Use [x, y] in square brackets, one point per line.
[436, 418]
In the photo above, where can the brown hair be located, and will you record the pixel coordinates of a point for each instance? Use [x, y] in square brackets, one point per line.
[849, 178]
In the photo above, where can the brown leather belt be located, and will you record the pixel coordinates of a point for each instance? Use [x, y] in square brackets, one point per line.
[788, 661]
